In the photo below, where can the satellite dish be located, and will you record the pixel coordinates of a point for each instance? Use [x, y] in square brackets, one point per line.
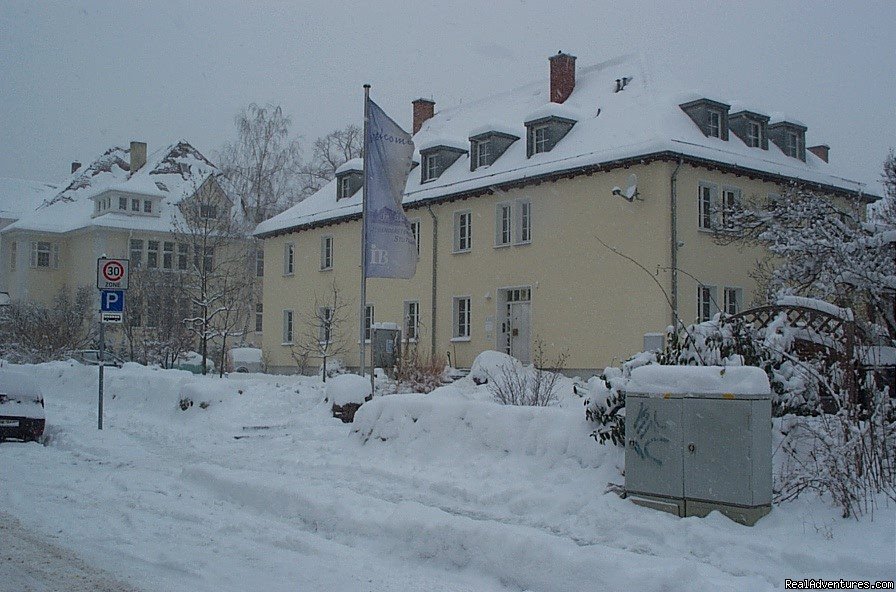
[631, 188]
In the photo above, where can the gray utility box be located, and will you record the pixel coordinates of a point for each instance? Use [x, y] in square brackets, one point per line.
[385, 345]
[698, 439]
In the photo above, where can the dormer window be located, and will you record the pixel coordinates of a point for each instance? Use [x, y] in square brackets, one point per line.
[208, 211]
[790, 137]
[751, 127]
[487, 146]
[349, 178]
[545, 132]
[123, 203]
[437, 159]
[135, 205]
[710, 116]
[147, 206]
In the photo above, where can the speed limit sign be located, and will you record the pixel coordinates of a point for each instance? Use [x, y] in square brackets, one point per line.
[112, 274]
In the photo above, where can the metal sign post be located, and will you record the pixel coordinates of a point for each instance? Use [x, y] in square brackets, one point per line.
[112, 280]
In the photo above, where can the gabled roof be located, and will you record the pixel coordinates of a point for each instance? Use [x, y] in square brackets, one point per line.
[640, 123]
[18, 196]
[171, 174]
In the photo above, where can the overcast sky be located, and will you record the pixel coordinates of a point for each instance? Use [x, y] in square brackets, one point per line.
[78, 77]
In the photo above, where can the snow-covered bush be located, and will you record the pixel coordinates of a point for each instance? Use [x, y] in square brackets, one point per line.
[513, 384]
[346, 393]
[32, 333]
[417, 373]
[605, 404]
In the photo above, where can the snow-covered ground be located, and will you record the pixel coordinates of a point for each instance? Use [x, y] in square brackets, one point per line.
[261, 489]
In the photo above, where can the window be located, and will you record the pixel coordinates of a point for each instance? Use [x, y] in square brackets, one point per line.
[183, 251]
[539, 138]
[754, 134]
[122, 203]
[259, 315]
[136, 253]
[482, 153]
[325, 318]
[12, 256]
[415, 230]
[524, 222]
[287, 327]
[208, 259]
[792, 144]
[289, 258]
[208, 211]
[706, 303]
[462, 317]
[152, 254]
[503, 226]
[368, 321]
[730, 202]
[259, 263]
[168, 255]
[44, 255]
[715, 124]
[430, 167]
[326, 253]
[147, 206]
[732, 300]
[345, 187]
[463, 232]
[135, 205]
[411, 319]
[705, 202]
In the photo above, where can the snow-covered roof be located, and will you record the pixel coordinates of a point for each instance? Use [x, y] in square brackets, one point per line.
[642, 121]
[170, 173]
[19, 196]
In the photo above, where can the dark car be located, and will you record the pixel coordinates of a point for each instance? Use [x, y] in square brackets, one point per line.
[91, 357]
[21, 406]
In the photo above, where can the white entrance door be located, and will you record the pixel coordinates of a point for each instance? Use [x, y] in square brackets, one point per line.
[518, 331]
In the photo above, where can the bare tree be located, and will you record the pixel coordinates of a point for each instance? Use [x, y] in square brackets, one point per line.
[329, 153]
[154, 328]
[535, 386]
[262, 165]
[322, 334]
[214, 234]
[31, 332]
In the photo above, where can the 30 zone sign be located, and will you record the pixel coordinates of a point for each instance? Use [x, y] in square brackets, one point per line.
[112, 274]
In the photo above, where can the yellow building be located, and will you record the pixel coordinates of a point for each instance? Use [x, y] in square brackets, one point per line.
[578, 213]
[126, 204]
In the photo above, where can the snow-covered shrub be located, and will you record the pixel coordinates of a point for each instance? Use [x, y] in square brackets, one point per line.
[32, 333]
[346, 393]
[605, 404]
[417, 373]
[512, 384]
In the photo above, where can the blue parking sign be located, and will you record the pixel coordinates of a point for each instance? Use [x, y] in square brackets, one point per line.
[112, 301]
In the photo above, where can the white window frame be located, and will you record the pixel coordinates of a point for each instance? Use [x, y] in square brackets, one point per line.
[168, 255]
[503, 224]
[462, 313]
[152, 254]
[415, 230]
[48, 248]
[706, 199]
[345, 186]
[325, 325]
[289, 259]
[430, 167]
[259, 317]
[183, 256]
[259, 262]
[326, 252]
[539, 144]
[792, 143]
[707, 306]
[123, 204]
[463, 231]
[135, 252]
[731, 197]
[523, 222]
[411, 319]
[754, 134]
[288, 327]
[714, 125]
[733, 300]
[147, 206]
[483, 153]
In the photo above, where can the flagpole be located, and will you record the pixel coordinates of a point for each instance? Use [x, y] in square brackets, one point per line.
[364, 188]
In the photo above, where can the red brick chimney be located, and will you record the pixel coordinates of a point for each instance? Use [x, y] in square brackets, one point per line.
[563, 76]
[822, 151]
[423, 109]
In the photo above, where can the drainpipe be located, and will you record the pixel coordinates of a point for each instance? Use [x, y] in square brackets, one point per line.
[674, 242]
[435, 259]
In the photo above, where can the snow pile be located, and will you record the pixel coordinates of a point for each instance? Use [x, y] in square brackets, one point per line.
[348, 388]
[246, 354]
[683, 380]
[491, 364]
[444, 427]
[816, 304]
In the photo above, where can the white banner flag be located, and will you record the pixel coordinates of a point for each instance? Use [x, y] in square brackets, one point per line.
[391, 251]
